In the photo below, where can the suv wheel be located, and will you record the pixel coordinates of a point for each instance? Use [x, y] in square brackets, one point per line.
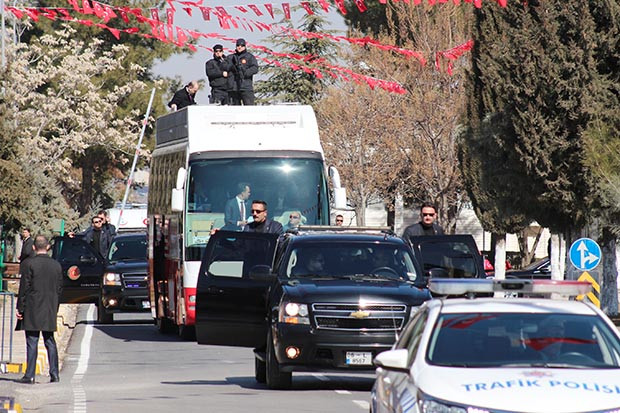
[275, 378]
[103, 316]
[260, 370]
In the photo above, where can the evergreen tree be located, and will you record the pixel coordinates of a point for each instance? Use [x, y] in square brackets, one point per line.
[534, 74]
[287, 85]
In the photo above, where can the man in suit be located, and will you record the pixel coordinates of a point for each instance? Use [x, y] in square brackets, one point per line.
[37, 307]
[260, 222]
[236, 209]
[184, 97]
[27, 243]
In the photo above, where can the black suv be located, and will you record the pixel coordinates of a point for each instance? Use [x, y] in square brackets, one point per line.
[115, 283]
[315, 299]
[124, 284]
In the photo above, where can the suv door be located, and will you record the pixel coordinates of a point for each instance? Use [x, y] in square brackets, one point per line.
[231, 295]
[82, 269]
[453, 256]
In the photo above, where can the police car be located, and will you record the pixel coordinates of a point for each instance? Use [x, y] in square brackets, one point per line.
[491, 355]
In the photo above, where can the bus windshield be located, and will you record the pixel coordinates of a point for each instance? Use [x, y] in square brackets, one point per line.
[290, 186]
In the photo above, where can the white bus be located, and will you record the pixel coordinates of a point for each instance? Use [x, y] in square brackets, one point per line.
[202, 156]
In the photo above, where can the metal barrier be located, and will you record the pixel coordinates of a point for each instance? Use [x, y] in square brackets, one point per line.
[7, 326]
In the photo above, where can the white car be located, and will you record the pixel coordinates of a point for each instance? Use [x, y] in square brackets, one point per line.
[479, 355]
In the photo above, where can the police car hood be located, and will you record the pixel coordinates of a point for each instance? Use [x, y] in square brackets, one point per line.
[549, 390]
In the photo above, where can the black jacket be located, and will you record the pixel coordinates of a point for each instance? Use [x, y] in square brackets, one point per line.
[105, 240]
[27, 250]
[214, 69]
[418, 229]
[244, 67]
[40, 287]
[268, 226]
[182, 98]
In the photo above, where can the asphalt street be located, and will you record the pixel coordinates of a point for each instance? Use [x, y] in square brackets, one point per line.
[130, 366]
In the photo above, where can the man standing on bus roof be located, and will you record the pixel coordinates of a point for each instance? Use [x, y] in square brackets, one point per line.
[244, 67]
[260, 221]
[218, 70]
[236, 210]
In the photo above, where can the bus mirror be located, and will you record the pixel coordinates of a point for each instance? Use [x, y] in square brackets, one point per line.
[340, 198]
[177, 200]
[181, 178]
[335, 175]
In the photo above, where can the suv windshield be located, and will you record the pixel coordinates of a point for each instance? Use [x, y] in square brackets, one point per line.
[511, 339]
[128, 248]
[342, 259]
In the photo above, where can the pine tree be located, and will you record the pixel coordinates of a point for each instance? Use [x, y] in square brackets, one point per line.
[287, 85]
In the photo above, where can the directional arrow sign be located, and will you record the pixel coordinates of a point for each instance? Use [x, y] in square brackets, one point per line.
[585, 254]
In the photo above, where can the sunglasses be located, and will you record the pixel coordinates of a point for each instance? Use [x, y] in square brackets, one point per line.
[97, 221]
[258, 211]
[428, 215]
[294, 216]
[338, 220]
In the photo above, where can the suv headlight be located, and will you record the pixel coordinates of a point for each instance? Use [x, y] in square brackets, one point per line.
[293, 313]
[111, 278]
[428, 404]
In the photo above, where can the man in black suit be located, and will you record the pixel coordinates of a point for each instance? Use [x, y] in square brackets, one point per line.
[260, 222]
[38, 299]
[27, 243]
[184, 97]
[236, 210]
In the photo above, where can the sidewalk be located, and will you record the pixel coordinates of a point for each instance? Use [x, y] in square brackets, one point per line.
[14, 357]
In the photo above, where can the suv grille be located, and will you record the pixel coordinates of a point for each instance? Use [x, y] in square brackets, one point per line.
[373, 317]
[134, 280]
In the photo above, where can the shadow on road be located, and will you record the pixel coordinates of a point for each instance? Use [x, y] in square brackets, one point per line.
[300, 383]
[136, 331]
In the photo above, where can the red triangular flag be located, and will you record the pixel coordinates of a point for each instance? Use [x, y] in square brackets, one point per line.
[256, 10]
[340, 4]
[306, 7]
[287, 10]
[87, 8]
[241, 9]
[324, 5]
[269, 8]
[16, 12]
[182, 38]
[155, 14]
[98, 9]
[124, 15]
[188, 10]
[361, 6]
[170, 16]
[206, 13]
[33, 13]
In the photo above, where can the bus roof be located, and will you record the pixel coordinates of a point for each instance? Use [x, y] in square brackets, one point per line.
[245, 128]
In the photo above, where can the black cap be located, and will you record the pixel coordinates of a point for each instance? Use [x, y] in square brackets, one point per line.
[240, 42]
[218, 47]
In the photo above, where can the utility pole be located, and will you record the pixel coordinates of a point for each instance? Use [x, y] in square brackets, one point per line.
[2, 33]
[135, 159]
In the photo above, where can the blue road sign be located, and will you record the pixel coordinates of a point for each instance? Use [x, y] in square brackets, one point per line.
[585, 254]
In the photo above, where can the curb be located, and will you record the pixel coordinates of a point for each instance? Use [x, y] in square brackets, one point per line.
[8, 405]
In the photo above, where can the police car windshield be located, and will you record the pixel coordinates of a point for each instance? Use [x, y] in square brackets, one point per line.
[512, 339]
[352, 259]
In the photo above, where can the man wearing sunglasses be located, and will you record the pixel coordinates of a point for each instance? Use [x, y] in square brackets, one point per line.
[96, 236]
[260, 222]
[427, 224]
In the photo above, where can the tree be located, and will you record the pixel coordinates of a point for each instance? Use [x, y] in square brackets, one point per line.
[55, 99]
[286, 85]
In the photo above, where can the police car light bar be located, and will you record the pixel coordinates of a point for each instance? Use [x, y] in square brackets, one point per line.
[452, 286]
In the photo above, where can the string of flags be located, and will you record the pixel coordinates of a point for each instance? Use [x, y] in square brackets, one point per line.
[165, 31]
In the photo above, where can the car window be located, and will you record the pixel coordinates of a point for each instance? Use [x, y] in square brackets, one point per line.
[495, 339]
[343, 259]
[125, 249]
[411, 337]
[456, 258]
[70, 250]
[233, 257]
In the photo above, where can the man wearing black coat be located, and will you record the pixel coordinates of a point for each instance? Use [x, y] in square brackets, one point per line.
[97, 236]
[260, 222]
[27, 243]
[38, 299]
[218, 70]
[427, 224]
[244, 67]
[184, 97]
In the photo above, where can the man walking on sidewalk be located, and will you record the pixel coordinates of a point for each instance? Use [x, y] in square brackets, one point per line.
[37, 307]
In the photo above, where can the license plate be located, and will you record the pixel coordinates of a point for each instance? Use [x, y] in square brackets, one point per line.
[146, 304]
[358, 358]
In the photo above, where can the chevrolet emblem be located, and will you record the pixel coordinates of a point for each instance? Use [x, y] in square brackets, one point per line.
[360, 314]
